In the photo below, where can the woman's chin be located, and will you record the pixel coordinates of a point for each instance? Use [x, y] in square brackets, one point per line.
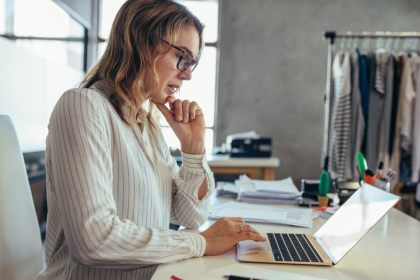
[162, 101]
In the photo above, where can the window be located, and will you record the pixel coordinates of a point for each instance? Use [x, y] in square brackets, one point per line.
[43, 53]
[2, 16]
[43, 28]
[202, 87]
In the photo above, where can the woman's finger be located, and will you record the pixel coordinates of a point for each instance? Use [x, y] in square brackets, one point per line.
[185, 110]
[171, 99]
[178, 110]
[242, 227]
[193, 108]
[250, 236]
[247, 228]
[165, 112]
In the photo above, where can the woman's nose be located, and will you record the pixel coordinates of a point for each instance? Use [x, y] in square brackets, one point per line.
[186, 75]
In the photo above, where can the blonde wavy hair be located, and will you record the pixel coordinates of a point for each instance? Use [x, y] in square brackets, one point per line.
[128, 62]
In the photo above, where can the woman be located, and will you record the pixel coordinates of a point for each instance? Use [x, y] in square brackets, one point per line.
[112, 186]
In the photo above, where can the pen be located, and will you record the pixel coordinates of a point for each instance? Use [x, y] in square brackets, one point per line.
[379, 171]
[235, 277]
[387, 173]
[358, 170]
[390, 177]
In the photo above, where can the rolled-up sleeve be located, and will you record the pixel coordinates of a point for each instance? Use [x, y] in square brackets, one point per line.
[187, 209]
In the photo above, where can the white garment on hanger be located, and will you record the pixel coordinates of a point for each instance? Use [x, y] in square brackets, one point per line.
[340, 116]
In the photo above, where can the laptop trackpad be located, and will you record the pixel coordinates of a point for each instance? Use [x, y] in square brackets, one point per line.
[252, 251]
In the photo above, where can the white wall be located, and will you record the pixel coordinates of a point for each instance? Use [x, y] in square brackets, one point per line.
[30, 86]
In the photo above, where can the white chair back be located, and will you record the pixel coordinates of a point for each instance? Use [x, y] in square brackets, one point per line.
[20, 238]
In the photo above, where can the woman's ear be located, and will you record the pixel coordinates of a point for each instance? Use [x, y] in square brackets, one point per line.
[158, 49]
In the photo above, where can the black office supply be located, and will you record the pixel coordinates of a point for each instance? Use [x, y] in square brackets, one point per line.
[235, 277]
[309, 190]
[345, 190]
[257, 148]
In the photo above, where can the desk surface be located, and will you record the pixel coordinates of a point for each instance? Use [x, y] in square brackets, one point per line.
[391, 250]
[227, 161]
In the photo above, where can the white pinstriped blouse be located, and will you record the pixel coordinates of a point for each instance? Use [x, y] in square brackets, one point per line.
[108, 209]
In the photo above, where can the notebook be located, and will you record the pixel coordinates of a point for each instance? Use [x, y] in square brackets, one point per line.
[332, 241]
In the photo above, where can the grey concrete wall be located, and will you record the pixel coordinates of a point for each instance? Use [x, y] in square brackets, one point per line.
[272, 70]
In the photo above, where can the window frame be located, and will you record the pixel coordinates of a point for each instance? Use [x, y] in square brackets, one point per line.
[9, 34]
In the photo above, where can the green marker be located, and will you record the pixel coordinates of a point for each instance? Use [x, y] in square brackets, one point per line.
[362, 164]
[324, 184]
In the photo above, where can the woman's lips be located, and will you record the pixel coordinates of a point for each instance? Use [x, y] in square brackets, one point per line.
[172, 89]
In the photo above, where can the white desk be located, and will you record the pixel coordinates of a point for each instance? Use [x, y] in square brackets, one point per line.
[224, 164]
[391, 250]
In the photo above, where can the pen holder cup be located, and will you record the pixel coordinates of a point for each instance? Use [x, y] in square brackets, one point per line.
[383, 185]
[323, 200]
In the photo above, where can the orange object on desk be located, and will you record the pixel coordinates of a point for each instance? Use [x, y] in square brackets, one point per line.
[370, 177]
[322, 208]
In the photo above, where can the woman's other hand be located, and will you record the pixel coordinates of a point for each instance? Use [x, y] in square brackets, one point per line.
[187, 121]
[226, 233]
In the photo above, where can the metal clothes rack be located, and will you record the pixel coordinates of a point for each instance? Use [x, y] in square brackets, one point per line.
[331, 36]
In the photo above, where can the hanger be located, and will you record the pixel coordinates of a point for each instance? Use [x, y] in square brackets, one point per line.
[355, 42]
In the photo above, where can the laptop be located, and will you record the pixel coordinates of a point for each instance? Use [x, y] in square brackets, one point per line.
[332, 241]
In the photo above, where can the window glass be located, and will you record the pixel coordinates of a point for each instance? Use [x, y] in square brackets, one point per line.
[201, 87]
[207, 12]
[101, 49]
[2, 16]
[109, 10]
[43, 18]
[60, 52]
[30, 90]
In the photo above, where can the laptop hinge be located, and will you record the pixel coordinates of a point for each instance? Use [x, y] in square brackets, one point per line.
[325, 250]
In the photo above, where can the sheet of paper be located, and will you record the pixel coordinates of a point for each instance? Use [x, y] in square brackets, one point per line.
[295, 217]
[229, 187]
[251, 271]
[205, 277]
[245, 186]
[275, 215]
[280, 186]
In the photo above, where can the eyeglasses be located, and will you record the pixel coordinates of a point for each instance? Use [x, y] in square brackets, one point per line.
[185, 60]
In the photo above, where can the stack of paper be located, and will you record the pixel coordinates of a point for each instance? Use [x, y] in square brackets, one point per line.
[267, 192]
[227, 190]
[252, 213]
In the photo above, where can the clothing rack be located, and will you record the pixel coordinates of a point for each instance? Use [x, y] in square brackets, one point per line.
[331, 36]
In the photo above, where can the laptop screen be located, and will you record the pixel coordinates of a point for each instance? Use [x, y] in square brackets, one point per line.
[353, 220]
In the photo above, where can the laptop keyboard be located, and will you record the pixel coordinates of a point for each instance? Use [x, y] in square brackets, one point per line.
[292, 248]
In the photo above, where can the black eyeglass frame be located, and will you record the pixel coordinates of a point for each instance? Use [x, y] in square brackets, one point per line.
[190, 62]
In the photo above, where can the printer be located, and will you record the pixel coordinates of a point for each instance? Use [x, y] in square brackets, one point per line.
[249, 144]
